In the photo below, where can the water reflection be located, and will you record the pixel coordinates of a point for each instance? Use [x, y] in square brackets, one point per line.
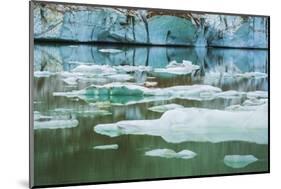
[67, 155]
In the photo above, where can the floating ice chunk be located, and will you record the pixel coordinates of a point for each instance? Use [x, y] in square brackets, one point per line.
[230, 94]
[174, 68]
[133, 93]
[168, 153]
[40, 74]
[95, 69]
[239, 161]
[107, 147]
[129, 68]
[110, 50]
[86, 112]
[56, 124]
[257, 94]
[70, 80]
[164, 108]
[120, 77]
[196, 124]
[254, 102]
[150, 84]
[38, 116]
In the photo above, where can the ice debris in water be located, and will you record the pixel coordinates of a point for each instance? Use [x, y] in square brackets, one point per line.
[257, 94]
[168, 153]
[239, 161]
[110, 50]
[129, 68]
[107, 147]
[197, 124]
[54, 123]
[165, 107]
[95, 69]
[132, 93]
[174, 68]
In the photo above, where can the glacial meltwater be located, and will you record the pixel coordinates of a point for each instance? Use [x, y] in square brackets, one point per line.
[111, 113]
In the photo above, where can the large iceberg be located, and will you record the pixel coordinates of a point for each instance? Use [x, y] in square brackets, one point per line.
[196, 124]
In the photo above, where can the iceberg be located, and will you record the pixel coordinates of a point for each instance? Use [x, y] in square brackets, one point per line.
[164, 108]
[198, 125]
[106, 147]
[239, 161]
[168, 153]
[174, 68]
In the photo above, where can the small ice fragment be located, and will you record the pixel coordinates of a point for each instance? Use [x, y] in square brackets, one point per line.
[107, 147]
[239, 161]
[168, 153]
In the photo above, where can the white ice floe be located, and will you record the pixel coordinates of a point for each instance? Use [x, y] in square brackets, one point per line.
[71, 80]
[40, 74]
[257, 94]
[129, 68]
[110, 50]
[165, 107]
[239, 161]
[56, 124]
[95, 69]
[174, 68]
[141, 94]
[38, 116]
[83, 112]
[168, 153]
[107, 147]
[120, 77]
[197, 124]
[254, 102]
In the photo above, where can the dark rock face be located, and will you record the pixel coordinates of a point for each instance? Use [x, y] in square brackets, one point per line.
[91, 24]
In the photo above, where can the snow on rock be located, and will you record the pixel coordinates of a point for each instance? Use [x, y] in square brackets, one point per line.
[164, 108]
[168, 153]
[196, 124]
[106, 147]
[239, 161]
